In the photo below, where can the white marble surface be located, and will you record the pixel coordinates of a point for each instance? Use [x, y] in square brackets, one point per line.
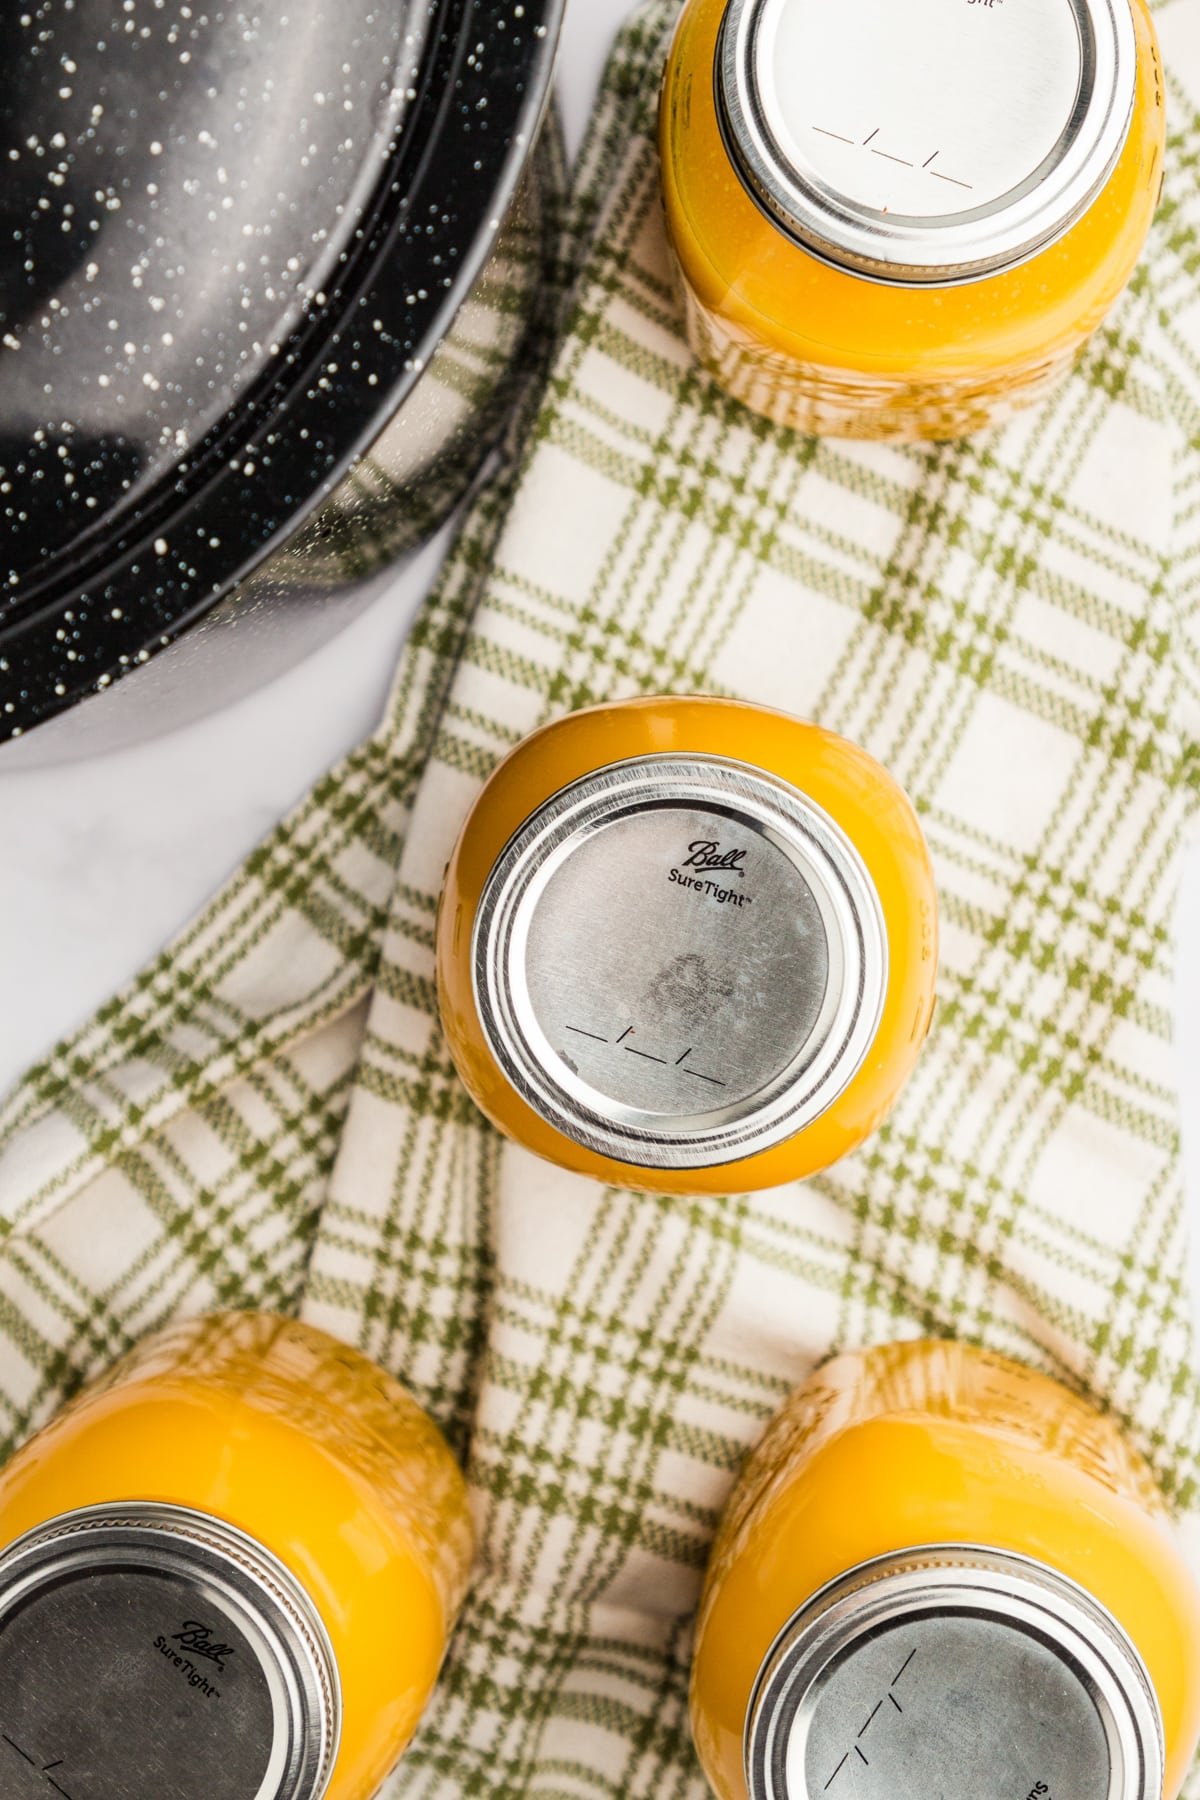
[102, 860]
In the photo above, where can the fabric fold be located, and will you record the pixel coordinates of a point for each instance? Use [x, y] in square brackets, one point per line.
[1008, 623]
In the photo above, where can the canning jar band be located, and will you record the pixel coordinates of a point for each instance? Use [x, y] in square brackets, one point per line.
[247, 1637]
[932, 1666]
[785, 1000]
[851, 185]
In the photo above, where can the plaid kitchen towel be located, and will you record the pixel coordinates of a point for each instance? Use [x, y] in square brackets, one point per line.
[267, 1117]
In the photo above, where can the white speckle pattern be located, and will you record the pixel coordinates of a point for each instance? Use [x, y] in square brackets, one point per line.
[203, 309]
[147, 193]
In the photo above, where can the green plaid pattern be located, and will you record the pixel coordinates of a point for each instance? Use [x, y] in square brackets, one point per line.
[268, 1116]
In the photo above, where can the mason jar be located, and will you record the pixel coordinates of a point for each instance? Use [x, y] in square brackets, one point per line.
[905, 221]
[230, 1571]
[688, 945]
[942, 1573]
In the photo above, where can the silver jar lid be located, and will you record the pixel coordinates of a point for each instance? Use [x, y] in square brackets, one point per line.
[679, 961]
[953, 1670]
[934, 141]
[151, 1650]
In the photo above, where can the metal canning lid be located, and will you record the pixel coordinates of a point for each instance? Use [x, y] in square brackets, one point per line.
[953, 1670]
[679, 961]
[149, 1649]
[936, 141]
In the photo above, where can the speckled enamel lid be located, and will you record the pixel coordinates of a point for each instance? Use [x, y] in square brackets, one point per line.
[230, 237]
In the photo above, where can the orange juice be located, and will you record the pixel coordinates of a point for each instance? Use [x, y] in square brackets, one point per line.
[943, 1573]
[905, 221]
[688, 945]
[230, 1570]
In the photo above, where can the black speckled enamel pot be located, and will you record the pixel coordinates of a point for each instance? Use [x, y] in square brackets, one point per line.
[264, 270]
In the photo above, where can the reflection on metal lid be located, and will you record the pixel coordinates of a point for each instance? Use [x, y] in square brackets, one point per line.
[679, 961]
[937, 141]
[953, 1670]
[153, 1650]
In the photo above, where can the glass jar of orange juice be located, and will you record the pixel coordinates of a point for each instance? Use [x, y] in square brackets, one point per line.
[688, 945]
[903, 221]
[943, 1574]
[230, 1573]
